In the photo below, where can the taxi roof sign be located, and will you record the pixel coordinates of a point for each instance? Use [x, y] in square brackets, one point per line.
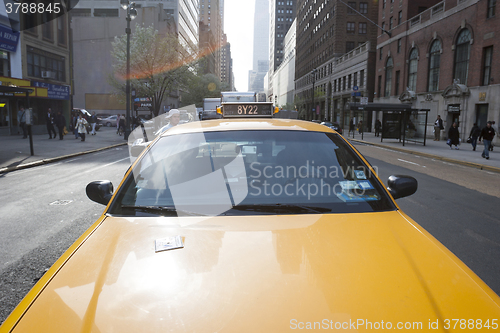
[247, 110]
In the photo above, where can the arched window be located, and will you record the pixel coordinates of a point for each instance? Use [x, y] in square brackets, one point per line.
[388, 77]
[434, 59]
[412, 70]
[462, 53]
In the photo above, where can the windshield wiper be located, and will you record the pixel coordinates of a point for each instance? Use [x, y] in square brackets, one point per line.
[162, 209]
[289, 208]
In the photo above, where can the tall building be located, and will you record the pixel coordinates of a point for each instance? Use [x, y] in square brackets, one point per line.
[208, 49]
[182, 14]
[282, 16]
[226, 63]
[210, 14]
[284, 75]
[260, 47]
[327, 30]
[441, 56]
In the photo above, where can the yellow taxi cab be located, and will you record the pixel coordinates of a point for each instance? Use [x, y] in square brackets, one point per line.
[255, 225]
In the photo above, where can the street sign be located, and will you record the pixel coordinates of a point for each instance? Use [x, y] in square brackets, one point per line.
[355, 88]
[364, 100]
[356, 93]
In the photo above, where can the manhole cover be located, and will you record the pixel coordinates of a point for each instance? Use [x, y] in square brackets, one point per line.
[60, 202]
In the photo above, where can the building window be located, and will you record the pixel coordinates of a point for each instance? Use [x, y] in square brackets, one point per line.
[47, 30]
[39, 61]
[412, 70]
[4, 63]
[390, 23]
[388, 77]
[462, 53]
[362, 28]
[351, 27]
[352, 5]
[491, 8]
[488, 55]
[383, 4]
[106, 12]
[399, 45]
[362, 78]
[61, 30]
[349, 80]
[380, 54]
[355, 82]
[383, 27]
[349, 46]
[400, 17]
[363, 7]
[398, 77]
[434, 62]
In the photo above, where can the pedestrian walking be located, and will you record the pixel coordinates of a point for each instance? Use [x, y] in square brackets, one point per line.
[74, 127]
[473, 135]
[81, 124]
[360, 127]
[121, 125]
[495, 129]
[378, 127]
[93, 122]
[438, 126]
[21, 120]
[453, 136]
[60, 122]
[351, 126]
[118, 118]
[50, 122]
[487, 134]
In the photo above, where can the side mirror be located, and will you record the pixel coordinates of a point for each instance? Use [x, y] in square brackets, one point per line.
[100, 191]
[401, 186]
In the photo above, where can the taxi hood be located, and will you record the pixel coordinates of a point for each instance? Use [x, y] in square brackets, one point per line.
[258, 273]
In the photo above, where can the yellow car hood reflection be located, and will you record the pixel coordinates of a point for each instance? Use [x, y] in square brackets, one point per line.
[256, 274]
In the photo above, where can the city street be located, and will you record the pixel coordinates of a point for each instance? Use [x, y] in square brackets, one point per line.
[44, 210]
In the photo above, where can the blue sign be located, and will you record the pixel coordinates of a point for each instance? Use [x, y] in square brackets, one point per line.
[356, 94]
[355, 88]
[8, 39]
[54, 91]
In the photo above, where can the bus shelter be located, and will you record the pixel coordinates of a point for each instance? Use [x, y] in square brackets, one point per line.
[399, 121]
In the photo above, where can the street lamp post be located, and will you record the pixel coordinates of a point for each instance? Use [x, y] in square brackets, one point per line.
[131, 14]
[313, 73]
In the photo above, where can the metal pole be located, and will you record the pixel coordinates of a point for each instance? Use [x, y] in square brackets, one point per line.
[127, 89]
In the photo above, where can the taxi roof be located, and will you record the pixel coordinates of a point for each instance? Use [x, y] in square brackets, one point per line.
[237, 124]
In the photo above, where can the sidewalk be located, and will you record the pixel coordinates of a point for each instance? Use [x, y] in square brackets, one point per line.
[438, 150]
[15, 151]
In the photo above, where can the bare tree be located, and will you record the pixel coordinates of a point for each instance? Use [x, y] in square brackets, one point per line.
[159, 64]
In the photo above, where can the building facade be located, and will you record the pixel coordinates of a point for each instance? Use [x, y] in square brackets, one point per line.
[93, 63]
[327, 30]
[442, 58]
[34, 54]
[226, 63]
[284, 75]
[211, 15]
[260, 47]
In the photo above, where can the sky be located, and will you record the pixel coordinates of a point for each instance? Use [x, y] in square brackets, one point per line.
[238, 26]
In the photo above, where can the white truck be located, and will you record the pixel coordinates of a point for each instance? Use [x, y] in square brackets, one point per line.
[210, 108]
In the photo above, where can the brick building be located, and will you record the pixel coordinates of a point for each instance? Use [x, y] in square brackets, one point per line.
[327, 30]
[441, 56]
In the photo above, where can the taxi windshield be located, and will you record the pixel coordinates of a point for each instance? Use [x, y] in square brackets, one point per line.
[250, 172]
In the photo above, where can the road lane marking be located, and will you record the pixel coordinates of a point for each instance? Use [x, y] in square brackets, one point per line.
[410, 162]
[103, 166]
[78, 158]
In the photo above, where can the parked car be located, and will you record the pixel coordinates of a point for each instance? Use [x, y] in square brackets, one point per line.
[334, 126]
[109, 121]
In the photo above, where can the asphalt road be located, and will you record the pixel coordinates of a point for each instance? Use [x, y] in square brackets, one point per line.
[455, 204]
[44, 210]
[458, 205]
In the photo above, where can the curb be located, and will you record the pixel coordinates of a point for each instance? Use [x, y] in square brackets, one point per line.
[55, 159]
[436, 157]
